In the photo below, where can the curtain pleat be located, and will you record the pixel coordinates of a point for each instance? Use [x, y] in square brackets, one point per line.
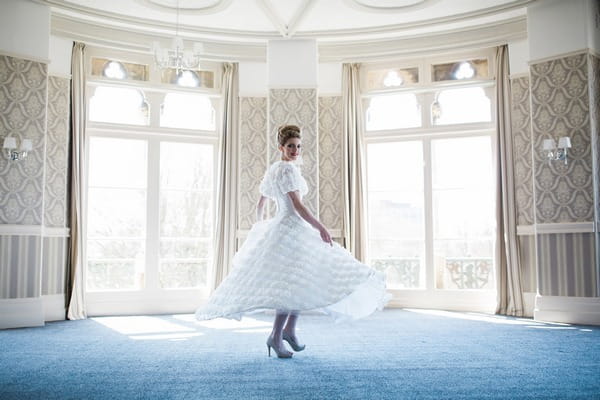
[226, 208]
[76, 284]
[354, 220]
[508, 269]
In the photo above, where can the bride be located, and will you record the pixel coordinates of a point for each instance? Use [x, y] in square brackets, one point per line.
[290, 264]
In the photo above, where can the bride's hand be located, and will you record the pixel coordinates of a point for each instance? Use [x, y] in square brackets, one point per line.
[325, 236]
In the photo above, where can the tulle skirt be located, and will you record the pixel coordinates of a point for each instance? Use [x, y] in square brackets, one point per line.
[285, 265]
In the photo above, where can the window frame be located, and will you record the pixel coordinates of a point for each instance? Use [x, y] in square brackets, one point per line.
[429, 296]
[152, 298]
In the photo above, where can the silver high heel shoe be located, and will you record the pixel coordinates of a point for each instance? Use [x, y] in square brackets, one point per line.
[293, 343]
[281, 353]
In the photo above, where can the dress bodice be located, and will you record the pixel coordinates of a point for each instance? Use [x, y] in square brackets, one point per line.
[281, 178]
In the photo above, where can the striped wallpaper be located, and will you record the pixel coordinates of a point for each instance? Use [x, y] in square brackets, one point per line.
[567, 264]
[20, 257]
[54, 265]
[528, 263]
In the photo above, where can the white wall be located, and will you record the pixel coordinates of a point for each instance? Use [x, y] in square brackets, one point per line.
[557, 27]
[60, 56]
[292, 63]
[330, 79]
[518, 57]
[25, 29]
[593, 25]
[253, 79]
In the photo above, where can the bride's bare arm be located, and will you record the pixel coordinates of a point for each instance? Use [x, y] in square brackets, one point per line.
[260, 207]
[308, 217]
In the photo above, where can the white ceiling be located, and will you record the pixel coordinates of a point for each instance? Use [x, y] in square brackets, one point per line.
[243, 27]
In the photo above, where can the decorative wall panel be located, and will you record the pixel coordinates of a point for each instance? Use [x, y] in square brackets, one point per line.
[331, 179]
[54, 265]
[560, 107]
[299, 107]
[253, 156]
[23, 94]
[521, 130]
[20, 258]
[57, 147]
[567, 264]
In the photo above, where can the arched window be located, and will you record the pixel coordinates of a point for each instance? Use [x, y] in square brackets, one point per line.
[393, 112]
[119, 106]
[187, 111]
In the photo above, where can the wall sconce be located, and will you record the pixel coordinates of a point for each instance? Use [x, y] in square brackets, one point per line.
[10, 147]
[554, 152]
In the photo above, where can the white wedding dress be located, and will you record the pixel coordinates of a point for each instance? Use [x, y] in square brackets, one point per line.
[285, 265]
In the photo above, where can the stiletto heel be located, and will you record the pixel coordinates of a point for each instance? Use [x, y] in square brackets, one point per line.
[293, 343]
[281, 353]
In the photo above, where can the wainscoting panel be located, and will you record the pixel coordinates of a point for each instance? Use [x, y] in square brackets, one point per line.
[57, 147]
[253, 156]
[331, 179]
[54, 265]
[23, 93]
[521, 130]
[20, 259]
[298, 107]
[566, 263]
[560, 107]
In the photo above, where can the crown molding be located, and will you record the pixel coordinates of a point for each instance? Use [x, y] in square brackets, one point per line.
[218, 5]
[359, 5]
[90, 16]
[585, 50]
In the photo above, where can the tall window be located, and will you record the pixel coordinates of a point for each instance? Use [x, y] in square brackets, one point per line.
[429, 173]
[151, 184]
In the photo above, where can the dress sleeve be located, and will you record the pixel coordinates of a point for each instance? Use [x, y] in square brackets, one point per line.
[289, 179]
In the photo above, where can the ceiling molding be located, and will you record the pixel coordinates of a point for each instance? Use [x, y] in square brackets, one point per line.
[166, 29]
[273, 16]
[378, 7]
[210, 8]
[299, 16]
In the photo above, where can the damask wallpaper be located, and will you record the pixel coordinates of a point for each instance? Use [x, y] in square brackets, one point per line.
[253, 156]
[23, 91]
[57, 147]
[521, 130]
[331, 179]
[567, 264]
[299, 107]
[560, 107]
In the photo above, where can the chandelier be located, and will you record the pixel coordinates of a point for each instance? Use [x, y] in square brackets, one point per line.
[177, 57]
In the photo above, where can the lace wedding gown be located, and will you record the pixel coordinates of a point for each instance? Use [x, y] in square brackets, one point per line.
[285, 265]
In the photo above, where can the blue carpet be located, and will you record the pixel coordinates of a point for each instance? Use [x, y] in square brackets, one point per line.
[396, 354]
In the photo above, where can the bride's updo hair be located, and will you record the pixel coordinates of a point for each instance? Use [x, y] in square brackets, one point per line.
[286, 132]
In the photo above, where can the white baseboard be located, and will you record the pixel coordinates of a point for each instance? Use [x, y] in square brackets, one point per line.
[528, 303]
[21, 313]
[54, 307]
[450, 300]
[570, 310]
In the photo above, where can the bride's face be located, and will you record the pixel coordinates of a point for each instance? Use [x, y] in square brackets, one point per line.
[291, 150]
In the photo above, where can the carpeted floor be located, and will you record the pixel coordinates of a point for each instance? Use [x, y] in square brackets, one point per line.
[396, 354]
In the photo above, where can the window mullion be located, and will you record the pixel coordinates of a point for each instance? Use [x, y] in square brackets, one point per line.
[428, 201]
[152, 215]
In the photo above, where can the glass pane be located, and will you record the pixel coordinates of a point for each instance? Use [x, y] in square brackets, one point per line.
[119, 106]
[187, 111]
[183, 274]
[114, 69]
[451, 171]
[389, 78]
[463, 213]
[460, 106]
[471, 69]
[396, 212]
[114, 275]
[186, 166]
[117, 163]
[201, 79]
[393, 112]
[186, 204]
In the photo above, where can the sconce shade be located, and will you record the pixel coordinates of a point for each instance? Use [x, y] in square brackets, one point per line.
[549, 144]
[564, 142]
[26, 145]
[10, 143]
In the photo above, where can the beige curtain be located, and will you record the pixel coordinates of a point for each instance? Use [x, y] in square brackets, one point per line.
[76, 301]
[228, 170]
[354, 221]
[508, 269]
